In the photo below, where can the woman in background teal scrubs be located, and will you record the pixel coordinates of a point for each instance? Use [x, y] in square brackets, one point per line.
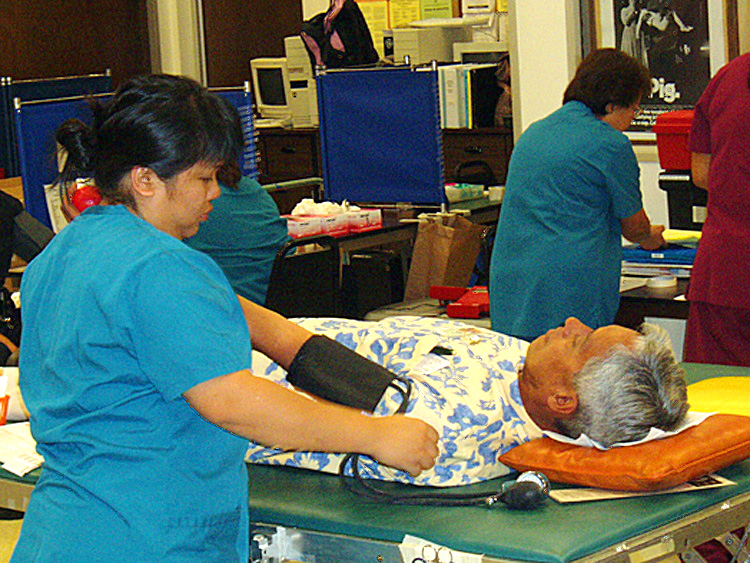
[243, 235]
[573, 190]
[136, 353]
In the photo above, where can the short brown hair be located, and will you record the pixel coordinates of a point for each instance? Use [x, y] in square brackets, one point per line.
[608, 76]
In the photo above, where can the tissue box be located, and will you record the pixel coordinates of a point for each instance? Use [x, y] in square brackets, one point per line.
[365, 220]
[303, 226]
[462, 192]
[335, 225]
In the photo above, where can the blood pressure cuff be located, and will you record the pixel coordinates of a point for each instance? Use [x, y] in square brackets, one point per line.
[333, 372]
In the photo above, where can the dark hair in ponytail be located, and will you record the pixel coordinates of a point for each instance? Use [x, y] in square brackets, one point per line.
[164, 122]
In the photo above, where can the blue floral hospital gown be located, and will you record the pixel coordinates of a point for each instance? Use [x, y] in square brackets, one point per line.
[470, 397]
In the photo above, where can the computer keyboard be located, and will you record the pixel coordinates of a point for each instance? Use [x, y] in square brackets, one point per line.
[267, 122]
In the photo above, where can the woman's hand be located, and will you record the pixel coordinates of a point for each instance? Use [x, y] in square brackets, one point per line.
[638, 229]
[405, 443]
[655, 239]
[266, 412]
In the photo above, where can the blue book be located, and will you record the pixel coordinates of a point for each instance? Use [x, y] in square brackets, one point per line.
[672, 254]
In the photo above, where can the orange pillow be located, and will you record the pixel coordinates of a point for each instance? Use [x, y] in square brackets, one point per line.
[719, 441]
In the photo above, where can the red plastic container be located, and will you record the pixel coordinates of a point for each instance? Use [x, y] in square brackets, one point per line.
[672, 130]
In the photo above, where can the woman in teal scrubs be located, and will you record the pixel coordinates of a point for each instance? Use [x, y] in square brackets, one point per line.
[136, 353]
[573, 190]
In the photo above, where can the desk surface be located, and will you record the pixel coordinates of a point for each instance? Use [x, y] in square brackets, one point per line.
[641, 302]
[556, 533]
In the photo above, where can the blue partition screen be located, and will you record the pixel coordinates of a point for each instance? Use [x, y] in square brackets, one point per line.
[6, 124]
[36, 123]
[243, 101]
[380, 135]
[67, 86]
[47, 89]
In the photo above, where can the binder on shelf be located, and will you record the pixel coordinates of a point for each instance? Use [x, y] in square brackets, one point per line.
[466, 78]
[451, 104]
[468, 95]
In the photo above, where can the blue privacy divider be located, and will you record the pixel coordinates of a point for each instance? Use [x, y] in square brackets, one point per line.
[7, 150]
[36, 123]
[61, 87]
[48, 89]
[242, 99]
[380, 136]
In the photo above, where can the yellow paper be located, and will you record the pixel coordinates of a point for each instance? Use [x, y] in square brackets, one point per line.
[436, 9]
[403, 12]
[728, 395]
[681, 236]
[376, 16]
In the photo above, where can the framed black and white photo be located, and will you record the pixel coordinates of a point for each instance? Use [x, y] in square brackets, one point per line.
[682, 43]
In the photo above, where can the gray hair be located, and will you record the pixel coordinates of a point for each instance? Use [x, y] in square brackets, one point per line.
[625, 393]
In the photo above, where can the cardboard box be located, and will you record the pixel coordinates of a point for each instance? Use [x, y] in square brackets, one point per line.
[365, 220]
[672, 130]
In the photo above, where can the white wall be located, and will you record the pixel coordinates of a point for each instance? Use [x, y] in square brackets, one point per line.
[654, 199]
[543, 37]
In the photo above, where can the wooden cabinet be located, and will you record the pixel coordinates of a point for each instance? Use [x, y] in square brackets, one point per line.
[288, 154]
[236, 31]
[63, 38]
[493, 146]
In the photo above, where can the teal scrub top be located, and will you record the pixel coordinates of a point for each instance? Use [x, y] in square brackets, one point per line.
[120, 319]
[558, 248]
[243, 234]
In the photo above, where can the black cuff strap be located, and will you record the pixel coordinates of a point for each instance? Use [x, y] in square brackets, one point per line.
[333, 372]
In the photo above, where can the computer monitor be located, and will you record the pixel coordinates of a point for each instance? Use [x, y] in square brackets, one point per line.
[271, 88]
[479, 52]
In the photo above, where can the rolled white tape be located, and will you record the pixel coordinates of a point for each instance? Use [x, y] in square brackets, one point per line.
[660, 282]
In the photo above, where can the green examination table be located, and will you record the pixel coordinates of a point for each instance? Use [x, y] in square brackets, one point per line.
[301, 515]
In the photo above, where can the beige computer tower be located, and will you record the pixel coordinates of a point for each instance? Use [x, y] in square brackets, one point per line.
[303, 90]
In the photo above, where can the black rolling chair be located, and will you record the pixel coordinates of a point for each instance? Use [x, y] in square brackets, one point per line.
[475, 172]
[306, 283]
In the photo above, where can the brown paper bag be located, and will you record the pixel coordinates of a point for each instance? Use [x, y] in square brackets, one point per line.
[445, 253]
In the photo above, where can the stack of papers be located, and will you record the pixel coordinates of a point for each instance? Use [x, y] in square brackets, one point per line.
[674, 260]
[18, 449]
